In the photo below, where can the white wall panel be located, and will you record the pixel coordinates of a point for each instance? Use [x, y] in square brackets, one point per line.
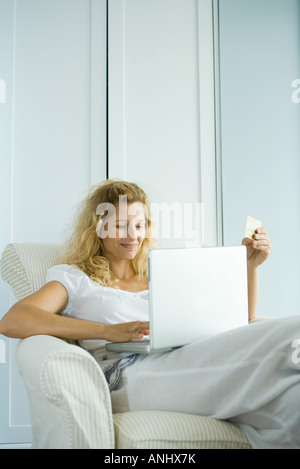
[260, 59]
[52, 116]
[53, 141]
[161, 101]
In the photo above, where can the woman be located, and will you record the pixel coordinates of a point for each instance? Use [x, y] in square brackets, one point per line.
[99, 293]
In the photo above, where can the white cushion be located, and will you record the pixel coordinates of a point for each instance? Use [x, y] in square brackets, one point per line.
[167, 430]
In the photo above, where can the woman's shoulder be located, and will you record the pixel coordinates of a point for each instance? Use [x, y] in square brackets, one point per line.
[64, 272]
[67, 268]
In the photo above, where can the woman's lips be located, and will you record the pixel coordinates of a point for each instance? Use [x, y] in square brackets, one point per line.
[129, 246]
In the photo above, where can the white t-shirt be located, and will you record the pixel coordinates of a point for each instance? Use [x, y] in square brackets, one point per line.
[93, 302]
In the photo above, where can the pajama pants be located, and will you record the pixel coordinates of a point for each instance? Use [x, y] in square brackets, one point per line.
[249, 376]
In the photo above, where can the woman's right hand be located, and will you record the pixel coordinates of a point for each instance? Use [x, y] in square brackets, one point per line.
[39, 314]
[126, 332]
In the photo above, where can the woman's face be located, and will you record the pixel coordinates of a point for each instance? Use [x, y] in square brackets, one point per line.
[124, 231]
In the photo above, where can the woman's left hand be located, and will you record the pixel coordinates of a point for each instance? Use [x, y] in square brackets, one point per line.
[258, 249]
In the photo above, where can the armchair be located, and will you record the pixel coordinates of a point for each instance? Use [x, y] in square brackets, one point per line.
[69, 399]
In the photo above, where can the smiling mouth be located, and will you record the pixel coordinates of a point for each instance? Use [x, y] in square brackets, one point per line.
[129, 246]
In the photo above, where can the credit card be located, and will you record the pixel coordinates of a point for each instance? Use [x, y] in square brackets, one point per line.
[251, 227]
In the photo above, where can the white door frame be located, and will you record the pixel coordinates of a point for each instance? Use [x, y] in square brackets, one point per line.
[208, 63]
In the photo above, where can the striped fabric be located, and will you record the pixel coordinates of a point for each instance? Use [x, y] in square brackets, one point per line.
[24, 266]
[69, 399]
[170, 430]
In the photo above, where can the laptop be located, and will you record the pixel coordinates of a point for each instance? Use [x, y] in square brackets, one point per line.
[194, 293]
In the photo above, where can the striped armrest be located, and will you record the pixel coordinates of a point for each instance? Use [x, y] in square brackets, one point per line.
[24, 266]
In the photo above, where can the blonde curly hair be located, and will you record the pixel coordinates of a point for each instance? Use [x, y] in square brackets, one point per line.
[85, 249]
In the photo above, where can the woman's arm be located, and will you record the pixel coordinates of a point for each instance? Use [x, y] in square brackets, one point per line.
[39, 314]
[253, 291]
[258, 251]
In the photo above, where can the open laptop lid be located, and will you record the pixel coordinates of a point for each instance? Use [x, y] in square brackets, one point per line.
[196, 293]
